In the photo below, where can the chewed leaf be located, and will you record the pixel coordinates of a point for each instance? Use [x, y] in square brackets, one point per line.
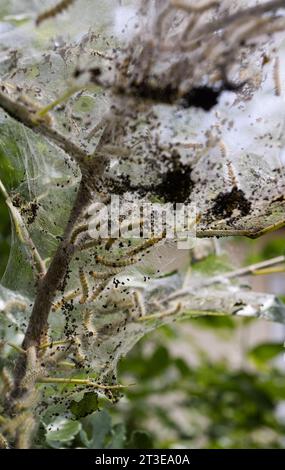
[87, 405]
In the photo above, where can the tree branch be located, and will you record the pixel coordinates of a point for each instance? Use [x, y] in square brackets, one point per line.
[18, 111]
[38, 322]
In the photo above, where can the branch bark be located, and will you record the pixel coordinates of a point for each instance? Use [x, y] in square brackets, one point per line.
[48, 286]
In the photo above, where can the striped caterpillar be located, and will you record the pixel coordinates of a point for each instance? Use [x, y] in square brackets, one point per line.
[54, 11]
[98, 289]
[84, 287]
[129, 257]
[88, 324]
[7, 380]
[70, 296]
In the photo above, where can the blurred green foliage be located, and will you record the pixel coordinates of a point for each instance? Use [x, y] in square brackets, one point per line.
[270, 246]
[208, 405]
[178, 405]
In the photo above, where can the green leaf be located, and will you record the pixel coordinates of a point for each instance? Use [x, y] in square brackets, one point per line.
[212, 265]
[97, 427]
[62, 430]
[118, 437]
[158, 362]
[265, 352]
[140, 440]
[216, 322]
[86, 406]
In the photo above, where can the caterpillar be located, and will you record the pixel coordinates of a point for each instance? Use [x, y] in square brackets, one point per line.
[130, 257]
[27, 401]
[13, 424]
[276, 77]
[147, 244]
[125, 227]
[98, 289]
[103, 275]
[84, 287]
[33, 370]
[76, 232]
[44, 339]
[24, 433]
[15, 305]
[200, 8]
[88, 324]
[121, 263]
[223, 149]
[231, 174]
[54, 11]
[70, 296]
[139, 303]
[88, 245]
[164, 313]
[3, 442]
[7, 379]
[79, 354]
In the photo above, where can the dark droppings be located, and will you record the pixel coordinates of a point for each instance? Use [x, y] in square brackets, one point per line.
[175, 184]
[202, 97]
[226, 203]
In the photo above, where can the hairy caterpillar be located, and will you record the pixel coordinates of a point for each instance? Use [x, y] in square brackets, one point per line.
[12, 425]
[200, 8]
[15, 305]
[131, 256]
[33, 371]
[3, 443]
[147, 244]
[120, 263]
[88, 245]
[70, 296]
[125, 227]
[223, 149]
[7, 379]
[164, 313]
[88, 324]
[24, 433]
[231, 174]
[84, 287]
[77, 231]
[79, 354]
[27, 401]
[103, 275]
[276, 77]
[98, 289]
[139, 303]
[54, 11]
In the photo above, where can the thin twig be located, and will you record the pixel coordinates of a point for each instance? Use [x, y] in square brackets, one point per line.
[23, 233]
[225, 21]
[86, 382]
[251, 269]
[18, 111]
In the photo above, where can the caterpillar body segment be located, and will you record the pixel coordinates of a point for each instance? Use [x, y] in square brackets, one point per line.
[84, 287]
